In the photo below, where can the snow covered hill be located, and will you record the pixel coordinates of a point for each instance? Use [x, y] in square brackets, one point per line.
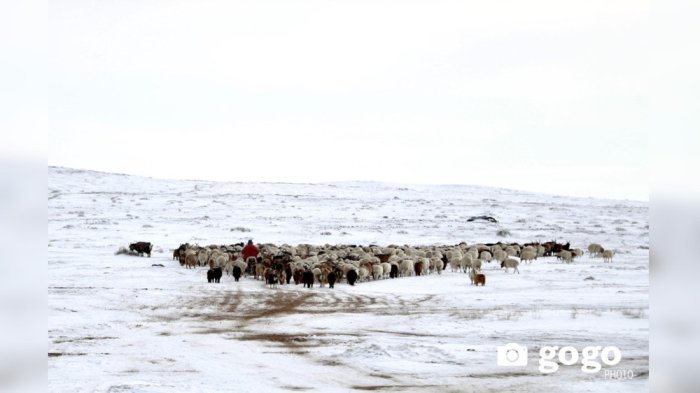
[118, 323]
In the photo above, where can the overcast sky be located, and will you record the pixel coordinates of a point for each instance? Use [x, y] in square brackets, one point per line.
[547, 96]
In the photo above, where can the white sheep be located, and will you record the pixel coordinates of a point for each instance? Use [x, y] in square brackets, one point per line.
[566, 256]
[406, 268]
[540, 250]
[486, 256]
[436, 263]
[465, 263]
[528, 255]
[377, 271]
[362, 274]
[386, 269]
[595, 249]
[202, 257]
[500, 255]
[476, 265]
[511, 263]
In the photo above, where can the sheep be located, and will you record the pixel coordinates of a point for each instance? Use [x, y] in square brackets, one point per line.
[202, 257]
[363, 274]
[486, 256]
[595, 249]
[510, 263]
[214, 275]
[465, 263]
[566, 256]
[308, 277]
[317, 274]
[436, 264]
[394, 273]
[499, 255]
[418, 268]
[141, 248]
[406, 267]
[236, 272]
[240, 264]
[528, 255]
[228, 268]
[377, 271]
[386, 269]
[351, 277]
[527, 249]
[298, 276]
[576, 252]
[454, 257]
[540, 250]
[476, 265]
[190, 259]
[331, 279]
[608, 255]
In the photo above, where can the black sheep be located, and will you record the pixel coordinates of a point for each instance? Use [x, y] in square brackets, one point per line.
[288, 272]
[394, 271]
[214, 274]
[308, 278]
[352, 277]
[331, 279]
[236, 273]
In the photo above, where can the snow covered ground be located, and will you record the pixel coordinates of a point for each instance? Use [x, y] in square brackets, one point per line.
[119, 324]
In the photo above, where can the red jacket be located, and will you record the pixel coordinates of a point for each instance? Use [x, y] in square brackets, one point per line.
[250, 251]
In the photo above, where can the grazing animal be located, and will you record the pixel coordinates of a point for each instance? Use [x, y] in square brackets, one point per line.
[510, 263]
[567, 256]
[236, 273]
[476, 265]
[352, 277]
[528, 256]
[394, 271]
[191, 260]
[418, 268]
[608, 255]
[298, 277]
[377, 272]
[281, 276]
[214, 275]
[331, 279]
[288, 272]
[595, 249]
[176, 255]
[308, 277]
[141, 248]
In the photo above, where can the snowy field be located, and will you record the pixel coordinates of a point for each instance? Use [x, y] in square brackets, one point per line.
[119, 324]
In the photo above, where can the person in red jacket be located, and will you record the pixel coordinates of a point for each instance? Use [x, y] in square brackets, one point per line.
[250, 254]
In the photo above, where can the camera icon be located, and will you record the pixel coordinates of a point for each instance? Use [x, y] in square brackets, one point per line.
[511, 355]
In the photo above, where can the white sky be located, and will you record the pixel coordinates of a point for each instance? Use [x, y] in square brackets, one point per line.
[547, 96]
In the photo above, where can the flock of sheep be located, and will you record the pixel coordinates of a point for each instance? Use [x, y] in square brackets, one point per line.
[280, 264]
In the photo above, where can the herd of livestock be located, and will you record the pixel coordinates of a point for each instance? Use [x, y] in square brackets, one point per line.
[309, 264]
